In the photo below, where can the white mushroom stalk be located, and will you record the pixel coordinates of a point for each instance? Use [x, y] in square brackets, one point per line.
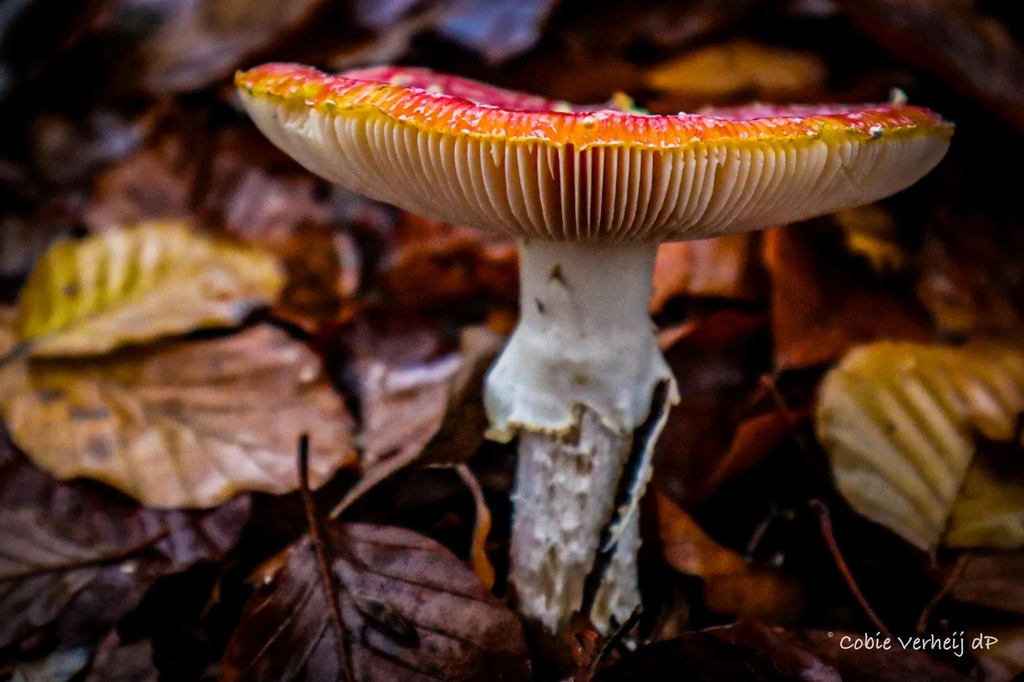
[589, 194]
[580, 376]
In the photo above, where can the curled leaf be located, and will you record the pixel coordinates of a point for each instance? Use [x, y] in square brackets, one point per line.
[898, 421]
[135, 285]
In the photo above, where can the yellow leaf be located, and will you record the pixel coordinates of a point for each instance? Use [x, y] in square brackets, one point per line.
[871, 232]
[989, 511]
[738, 70]
[181, 423]
[135, 285]
[899, 422]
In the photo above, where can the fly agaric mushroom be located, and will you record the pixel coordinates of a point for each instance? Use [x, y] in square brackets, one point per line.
[589, 194]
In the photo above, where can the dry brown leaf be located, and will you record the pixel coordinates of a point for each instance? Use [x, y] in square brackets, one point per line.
[76, 558]
[7, 338]
[992, 579]
[136, 285]
[708, 267]
[478, 559]
[822, 305]
[717, 362]
[410, 609]
[459, 264]
[731, 585]
[897, 420]
[116, 661]
[189, 44]
[1001, 658]
[970, 276]
[955, 39]
[740, 70]
[157, 181]
[688, 549]
[431, 412]
[755, 439]
[181, 424]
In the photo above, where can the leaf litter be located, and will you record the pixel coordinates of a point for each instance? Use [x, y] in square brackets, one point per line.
[243, 335]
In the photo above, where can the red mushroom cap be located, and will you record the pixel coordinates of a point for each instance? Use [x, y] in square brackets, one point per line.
[457, 150]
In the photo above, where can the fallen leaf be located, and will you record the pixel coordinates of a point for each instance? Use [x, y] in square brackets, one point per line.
[257, 192]
[116, 661]
[68, 151]
[461, 264]
[78, 558]
[737, 71]
[159, 181]
[731, 585]
[57, 666]
[694, 656]
[136, 285]
[969, 276]
[188, 45]
[717, 362]
[989, 508]
[822, 305]
[761, 593]
[1001, 655]
[403, 406]
[688, 549]
[755, 439]
[992, 579]
[478, 559]
[181, 423]
[709, 267]
[451, 628]
[496, 29]
[817, 656]
[430, 412]
[897, 419]
[976, 54]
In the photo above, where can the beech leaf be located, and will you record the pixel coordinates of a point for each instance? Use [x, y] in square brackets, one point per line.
[135, 285]
[116, 661]
[899, 422]
[181, 423]
[412, 612]
[78, 558]
[737, 70]
[992, 579]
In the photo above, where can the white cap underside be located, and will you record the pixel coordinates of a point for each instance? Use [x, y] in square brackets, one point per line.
[602, 192]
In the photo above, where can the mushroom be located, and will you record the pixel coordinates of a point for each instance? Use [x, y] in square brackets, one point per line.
[589, 193]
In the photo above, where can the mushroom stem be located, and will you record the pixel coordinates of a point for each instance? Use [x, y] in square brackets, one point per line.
[584, 386]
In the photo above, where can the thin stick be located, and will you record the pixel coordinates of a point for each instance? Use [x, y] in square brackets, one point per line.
[947, 585]
[825, 521]
[615, 639]
[320, 545]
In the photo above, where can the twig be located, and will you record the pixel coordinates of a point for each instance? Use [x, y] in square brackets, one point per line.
[615, 639]
[320, 545]
[825, 521]
[947, 585]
